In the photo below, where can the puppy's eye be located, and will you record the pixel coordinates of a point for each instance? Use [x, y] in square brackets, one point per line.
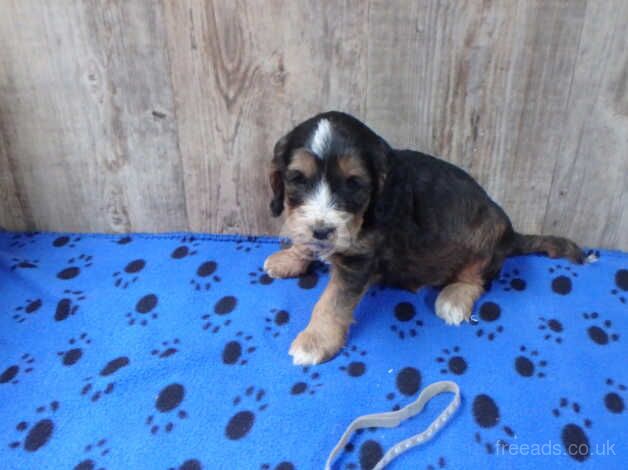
[295, 177]
[354, 183]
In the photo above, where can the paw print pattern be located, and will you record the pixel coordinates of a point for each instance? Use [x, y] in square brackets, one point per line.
[130, 274]
[308, 280]
[247, 245]
[238, 350]
[369, 454]
[452, 362]
[69, 304]
[12, 373]
[168, 401]
[510, 281]
[490, 313]
[74, 267]
[110, 368]
[552, 328]
[442, 463]
[614, 400]
[406, 325]
[600, 333]
[241, 423]
[124, 240]
[19, 263]
[39, 433]
[354, 368]
[527, 364]
[215, 321]
[75, 353]
[260, 277]
[408, 383]
[275, 322]
[309, 386]
[144, 311]
[97, 449]
[187, 248]
[574, 438]
[167, 349]
[486, 415]
[561, 283]
[20, 240]
[30, 307]
[203, 278]
[285, 465]
[190, 464]
[621, 281]
[65, 241]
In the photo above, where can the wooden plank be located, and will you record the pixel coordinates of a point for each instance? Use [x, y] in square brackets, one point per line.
[245, 72]
[589, 197]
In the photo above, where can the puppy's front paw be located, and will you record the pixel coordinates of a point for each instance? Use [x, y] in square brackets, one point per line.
[311, 347]
[284, 264]
[452, 314]
[455, 302]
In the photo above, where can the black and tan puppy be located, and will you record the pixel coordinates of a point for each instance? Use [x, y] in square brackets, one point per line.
[377, 214]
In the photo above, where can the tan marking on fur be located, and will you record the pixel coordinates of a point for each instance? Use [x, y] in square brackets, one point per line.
[455, 302]
[351, 165]
[303, 161]
[291, 262]
[326, 332]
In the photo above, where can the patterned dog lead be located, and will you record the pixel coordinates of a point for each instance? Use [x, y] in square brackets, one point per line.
[392, 419]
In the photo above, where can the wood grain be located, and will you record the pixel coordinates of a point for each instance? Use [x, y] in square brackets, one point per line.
[147, 115]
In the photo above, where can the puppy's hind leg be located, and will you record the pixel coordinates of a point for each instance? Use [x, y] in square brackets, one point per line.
[455, 302]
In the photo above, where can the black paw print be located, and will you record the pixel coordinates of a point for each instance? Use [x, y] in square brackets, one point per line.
[406, 324]
[574, 438]
[187, 248]
[527, 364]
[309, 386]
[66, 241]
[203, 273]
[552, 328]
[247, 245]
[561, 284]
[20, 240]
[24, 366]
[490, 312]
[30, 307]
[167, 349]
[110, 368]
[309, 280]
[600, 334]
[129, 275]
[69, 304]
[369, 454]
[74, 267]
[20, 263]
[97, 449]
[144, 311]
[621, 281]
[168, 400]
[511, 281]
[455, 363]
[238, 350]
[241, 423]
[354, 368]
[408, 383]
[124, 240]
[223, 307]
[39, 433]
[440, 464]
[486, 415]
[285, 465]
[613, 400]
[74, 354]
[278, 319]
[190, 464]
[260, 277]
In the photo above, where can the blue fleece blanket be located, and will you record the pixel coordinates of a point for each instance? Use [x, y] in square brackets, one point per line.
[170, 351]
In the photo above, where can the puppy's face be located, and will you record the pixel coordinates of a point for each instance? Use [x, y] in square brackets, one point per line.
[326, 180]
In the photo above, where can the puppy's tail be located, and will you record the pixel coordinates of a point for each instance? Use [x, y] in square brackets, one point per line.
[554, 247]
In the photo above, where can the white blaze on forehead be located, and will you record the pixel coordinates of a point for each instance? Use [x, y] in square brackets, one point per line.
[318, 205]
[321, 139]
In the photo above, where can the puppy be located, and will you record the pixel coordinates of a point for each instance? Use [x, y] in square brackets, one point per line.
[377, 214]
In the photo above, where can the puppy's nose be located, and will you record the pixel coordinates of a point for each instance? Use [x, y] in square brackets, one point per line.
[322, 233]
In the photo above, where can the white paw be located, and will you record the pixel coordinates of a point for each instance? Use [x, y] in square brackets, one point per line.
[269, 268]
[300, 357]
[452, 313]
[311, 347]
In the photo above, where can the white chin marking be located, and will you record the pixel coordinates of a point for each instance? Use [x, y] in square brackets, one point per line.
[321, 139]
[452, 314]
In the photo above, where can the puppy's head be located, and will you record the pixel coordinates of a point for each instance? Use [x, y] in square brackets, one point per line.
[327, 173]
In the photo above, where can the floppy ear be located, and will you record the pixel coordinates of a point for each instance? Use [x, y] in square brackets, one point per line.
[276, 176]
[385, 195]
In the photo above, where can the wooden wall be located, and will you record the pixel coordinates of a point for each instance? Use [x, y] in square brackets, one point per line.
[157, 116]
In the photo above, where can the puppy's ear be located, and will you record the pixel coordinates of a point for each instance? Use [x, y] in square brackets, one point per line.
[384, 197]
[277, 168]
